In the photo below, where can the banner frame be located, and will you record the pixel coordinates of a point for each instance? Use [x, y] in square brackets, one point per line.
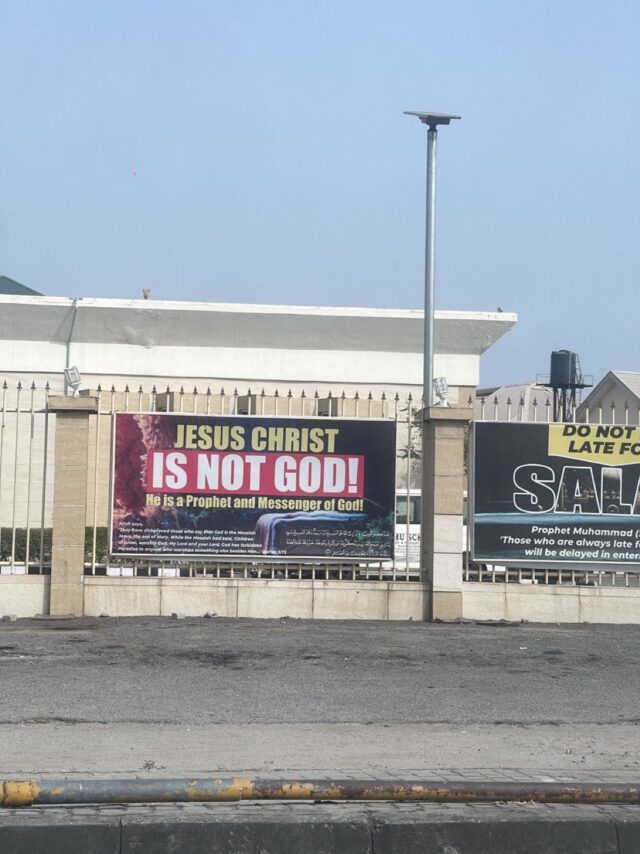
[583, 565]
[256, 558]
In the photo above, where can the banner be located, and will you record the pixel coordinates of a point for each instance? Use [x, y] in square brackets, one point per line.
[189, 485]
[552, 493]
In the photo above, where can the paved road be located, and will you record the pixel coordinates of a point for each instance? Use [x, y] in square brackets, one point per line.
[200, 694]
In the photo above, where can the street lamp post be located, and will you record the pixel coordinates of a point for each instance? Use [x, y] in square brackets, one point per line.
[432, 120]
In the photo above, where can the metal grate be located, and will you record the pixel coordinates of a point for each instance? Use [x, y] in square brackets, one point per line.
[538, 575]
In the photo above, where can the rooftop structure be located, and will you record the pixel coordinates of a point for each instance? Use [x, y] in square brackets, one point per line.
[11, 287]
[523, 402]
[301, 346]
[614, 400]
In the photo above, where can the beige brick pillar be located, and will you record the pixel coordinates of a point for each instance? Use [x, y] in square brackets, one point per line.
[443, 484]
[69, 501]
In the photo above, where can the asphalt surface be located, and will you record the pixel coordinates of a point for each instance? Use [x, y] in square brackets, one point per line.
[103, 694]
[222, 670]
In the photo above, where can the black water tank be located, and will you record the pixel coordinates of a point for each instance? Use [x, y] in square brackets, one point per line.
[563, 369]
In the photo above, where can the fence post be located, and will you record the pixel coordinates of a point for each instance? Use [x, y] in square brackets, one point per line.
[443, 484]
[69, 501]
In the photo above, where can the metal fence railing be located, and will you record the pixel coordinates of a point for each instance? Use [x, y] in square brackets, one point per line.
[575, 577]
[26, 485]
[540, 410]
[27, 455]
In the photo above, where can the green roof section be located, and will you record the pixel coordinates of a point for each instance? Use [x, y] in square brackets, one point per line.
[11, 287]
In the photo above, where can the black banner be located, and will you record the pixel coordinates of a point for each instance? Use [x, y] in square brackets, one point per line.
[188, 485]
[556, 493]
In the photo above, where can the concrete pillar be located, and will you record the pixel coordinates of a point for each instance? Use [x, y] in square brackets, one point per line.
[69, 501]
[443, 484]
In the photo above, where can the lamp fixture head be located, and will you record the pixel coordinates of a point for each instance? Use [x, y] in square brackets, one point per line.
[432, 119]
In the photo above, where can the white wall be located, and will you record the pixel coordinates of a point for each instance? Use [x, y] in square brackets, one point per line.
[550, 603]
[257, 598]
[252, 367]
[24, 595]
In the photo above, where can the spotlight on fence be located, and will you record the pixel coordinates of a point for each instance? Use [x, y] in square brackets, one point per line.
[72, 380]
[441, 390]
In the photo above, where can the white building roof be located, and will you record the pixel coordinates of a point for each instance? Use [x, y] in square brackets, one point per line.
[616, 386]
[263, 342]
[523, 402]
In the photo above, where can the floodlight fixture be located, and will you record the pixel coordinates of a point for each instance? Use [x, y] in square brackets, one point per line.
[432, 120]
[441, 390]
[72, 379]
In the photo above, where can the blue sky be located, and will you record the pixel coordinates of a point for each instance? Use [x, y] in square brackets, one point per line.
[256, 152]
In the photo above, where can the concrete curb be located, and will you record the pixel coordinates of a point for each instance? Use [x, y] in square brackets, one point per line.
[286, 828]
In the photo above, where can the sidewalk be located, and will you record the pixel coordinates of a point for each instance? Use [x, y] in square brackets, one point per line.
[592, 777]
[179, 749]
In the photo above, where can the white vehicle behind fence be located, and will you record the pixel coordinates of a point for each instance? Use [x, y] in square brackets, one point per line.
[407, 528]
